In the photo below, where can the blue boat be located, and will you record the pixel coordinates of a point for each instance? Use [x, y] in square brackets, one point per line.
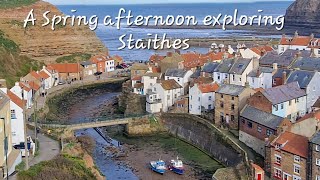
[176, 166]
[158, 166]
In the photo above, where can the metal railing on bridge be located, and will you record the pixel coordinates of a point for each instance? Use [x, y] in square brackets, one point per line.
[84, 120]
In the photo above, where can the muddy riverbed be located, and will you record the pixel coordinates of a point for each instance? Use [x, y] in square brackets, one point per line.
[128, 158]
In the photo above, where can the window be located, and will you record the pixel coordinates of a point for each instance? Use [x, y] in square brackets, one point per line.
[175, 95]
[178, 79]
[13, 114]
[317, 162]
[221, 95]
[168, 97]
[209, 106]
[239, 79]
[210, 98]
[221, 104]
[232, 117]
[269, 132]
[317, 148]
[286, 176]
[232, 98]
[277, 173]
[199, 99]
[296, 159]
[232, 106]
[275, 107]
[259, 129]
[233, 77]
[191, 97]
[218, 76]
[198, 107]
[296, 169]
[297, 100]
[190, 106]
[290, 103]
[154, 89]
[278, 159]
[243, 121]
[250, 124]
[282, 106]
[296, 177]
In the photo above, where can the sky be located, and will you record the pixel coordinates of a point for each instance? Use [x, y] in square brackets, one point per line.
[59, 2]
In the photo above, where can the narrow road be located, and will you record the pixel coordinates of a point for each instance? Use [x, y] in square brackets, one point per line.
[49, 149]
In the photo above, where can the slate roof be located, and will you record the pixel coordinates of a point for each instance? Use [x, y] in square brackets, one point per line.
[283, 93]
[176, 72]
[158, 75]
[316, 138]
[170, 84]
[302, 77]
[196, 74]
[86, 63]
[239, 66]
[224, 66]
[253, 73]
[4, 99]
[307, 63]
[279, 73]
[317, 103]
[210, 67]
[285, 59]
[266, 119]
[230, 89]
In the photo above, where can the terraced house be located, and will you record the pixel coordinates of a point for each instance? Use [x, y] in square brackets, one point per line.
[229, 101]
[287, 101]
[289, 154]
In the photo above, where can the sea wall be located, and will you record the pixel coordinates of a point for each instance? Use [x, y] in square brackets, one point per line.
[144, 126]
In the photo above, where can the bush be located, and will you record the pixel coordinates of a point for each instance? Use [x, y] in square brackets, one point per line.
[62, 167]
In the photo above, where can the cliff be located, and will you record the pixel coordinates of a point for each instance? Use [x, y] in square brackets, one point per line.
[41, 42]
[303, 13]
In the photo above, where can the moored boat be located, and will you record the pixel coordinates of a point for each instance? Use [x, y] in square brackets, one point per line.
[176, 166]
[158, 166]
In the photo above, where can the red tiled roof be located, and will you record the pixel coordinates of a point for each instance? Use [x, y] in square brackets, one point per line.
[258, 89]
[35, 75]
[49, 68]
[299, 40]
[261, 50]
[43, 75]
[15, 99]
[34, 86]
[98, 58]
[156, 58]
[315, 115]
[137, 78]
[156, 69]
[293, 143]
[26, 87]
[206, 88]
[66, 68]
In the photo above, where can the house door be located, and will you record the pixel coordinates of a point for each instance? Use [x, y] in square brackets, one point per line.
[259, 177]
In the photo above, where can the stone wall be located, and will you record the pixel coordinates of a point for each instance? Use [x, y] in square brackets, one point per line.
[142, 126]
[199, 133]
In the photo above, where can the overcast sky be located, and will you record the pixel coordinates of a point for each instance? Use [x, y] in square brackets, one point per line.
[58, 2]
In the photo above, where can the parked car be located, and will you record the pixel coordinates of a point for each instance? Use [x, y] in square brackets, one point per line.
[61, 83]
[119, 67]
[97, 73]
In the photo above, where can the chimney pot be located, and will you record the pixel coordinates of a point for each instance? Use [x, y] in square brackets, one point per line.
[284, 77]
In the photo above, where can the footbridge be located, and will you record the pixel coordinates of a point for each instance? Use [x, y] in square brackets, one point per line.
[86, 123]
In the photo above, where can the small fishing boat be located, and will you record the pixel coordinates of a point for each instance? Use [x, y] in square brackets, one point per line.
[176, 166]
[158, 166]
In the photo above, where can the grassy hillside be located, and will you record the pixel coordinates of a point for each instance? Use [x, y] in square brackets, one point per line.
[12, 65]
[4, 4]
[62, 167]
[74, 58]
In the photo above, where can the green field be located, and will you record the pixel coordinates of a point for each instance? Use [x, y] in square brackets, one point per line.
[5, 4]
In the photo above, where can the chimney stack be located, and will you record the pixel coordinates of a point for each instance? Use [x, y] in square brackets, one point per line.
[169, 54]
[284, 77]
[275, 66]
[258, 72]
